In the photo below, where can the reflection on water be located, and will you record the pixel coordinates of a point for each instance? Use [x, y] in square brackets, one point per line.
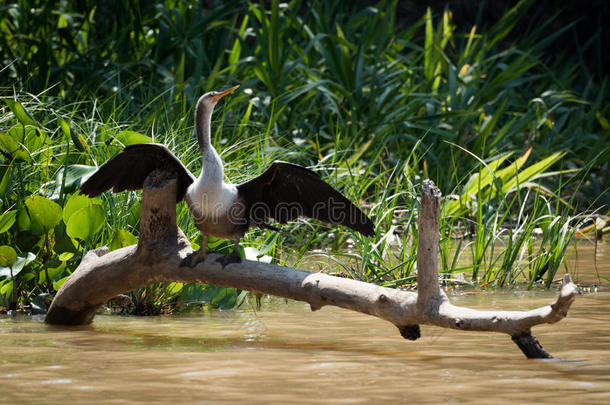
[287, 354]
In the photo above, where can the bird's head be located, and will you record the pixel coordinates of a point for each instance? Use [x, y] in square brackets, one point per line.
[211, 98]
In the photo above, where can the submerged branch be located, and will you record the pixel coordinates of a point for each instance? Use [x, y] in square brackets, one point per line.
[103, 275]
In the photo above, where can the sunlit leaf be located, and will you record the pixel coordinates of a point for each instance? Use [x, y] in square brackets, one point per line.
[65, 256]
[20, 112]
[76, 202]
[8, 256]
[514, 168]
[122, 238]
[43, 212]
[86, 222]
[132, 138]
[7, 220]
[57, 285]
[529, 172]
[65, 128]
[7, 288]
[79, 141]
[14, 148]
[74, 175]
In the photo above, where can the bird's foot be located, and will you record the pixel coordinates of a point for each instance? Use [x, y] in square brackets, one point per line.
[233, 257]
[193, 259]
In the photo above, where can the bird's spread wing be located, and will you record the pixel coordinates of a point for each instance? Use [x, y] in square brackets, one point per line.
[286, 191]
[129, 169]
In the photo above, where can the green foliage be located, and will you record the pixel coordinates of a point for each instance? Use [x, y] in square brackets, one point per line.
[44, 213]
[511, 137]
[86, 223]
[8, 256]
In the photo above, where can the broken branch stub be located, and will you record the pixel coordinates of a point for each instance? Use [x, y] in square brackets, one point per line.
[103, 275]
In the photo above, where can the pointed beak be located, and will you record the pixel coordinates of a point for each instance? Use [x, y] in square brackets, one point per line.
[224, 93]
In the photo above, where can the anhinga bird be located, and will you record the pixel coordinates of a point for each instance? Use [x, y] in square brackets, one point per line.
[283, 192]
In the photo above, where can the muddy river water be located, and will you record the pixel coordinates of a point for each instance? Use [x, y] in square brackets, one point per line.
[285, 354]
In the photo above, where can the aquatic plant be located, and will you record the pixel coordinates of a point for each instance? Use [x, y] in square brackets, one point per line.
[511, 139]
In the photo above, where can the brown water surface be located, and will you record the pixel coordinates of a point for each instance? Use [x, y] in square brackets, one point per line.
[287, 354]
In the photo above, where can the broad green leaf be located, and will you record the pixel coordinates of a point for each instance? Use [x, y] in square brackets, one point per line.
[225, 298]
[173, 288]
[44, 213]
[475, 184]
[209, 293]
[191, 294]
[20, 112]
[65, 256]
[51, 272]
[8, 256]
[6, 180]
[65, 244]
[7, 288]
[528, 173]
[23, 219]
[122, 238]
[484, 177]
[7, 220]
[86, 222]
[33, 142]
[132, 138]
[74, 175]
[514, 168]
[76, 202]
[57, 285]
[13, 148]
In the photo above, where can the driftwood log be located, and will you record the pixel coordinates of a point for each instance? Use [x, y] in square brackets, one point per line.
[103, 275]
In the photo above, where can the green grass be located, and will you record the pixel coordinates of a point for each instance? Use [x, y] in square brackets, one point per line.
[519, 146]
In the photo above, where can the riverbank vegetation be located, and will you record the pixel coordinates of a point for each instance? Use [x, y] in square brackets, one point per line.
[515, 136]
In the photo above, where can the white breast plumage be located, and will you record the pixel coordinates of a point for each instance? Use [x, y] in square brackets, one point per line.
[209, 196]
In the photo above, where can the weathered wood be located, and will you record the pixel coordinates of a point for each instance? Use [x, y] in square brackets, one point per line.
[103, 275]
[428, 290]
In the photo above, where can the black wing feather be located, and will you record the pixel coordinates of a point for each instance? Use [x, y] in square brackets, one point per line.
[129, 169]
[286, 191]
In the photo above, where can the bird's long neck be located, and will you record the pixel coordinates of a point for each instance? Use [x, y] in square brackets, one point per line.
[212, 172]
[203, 118]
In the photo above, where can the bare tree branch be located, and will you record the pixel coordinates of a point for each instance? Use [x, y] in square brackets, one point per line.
[103, 275]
